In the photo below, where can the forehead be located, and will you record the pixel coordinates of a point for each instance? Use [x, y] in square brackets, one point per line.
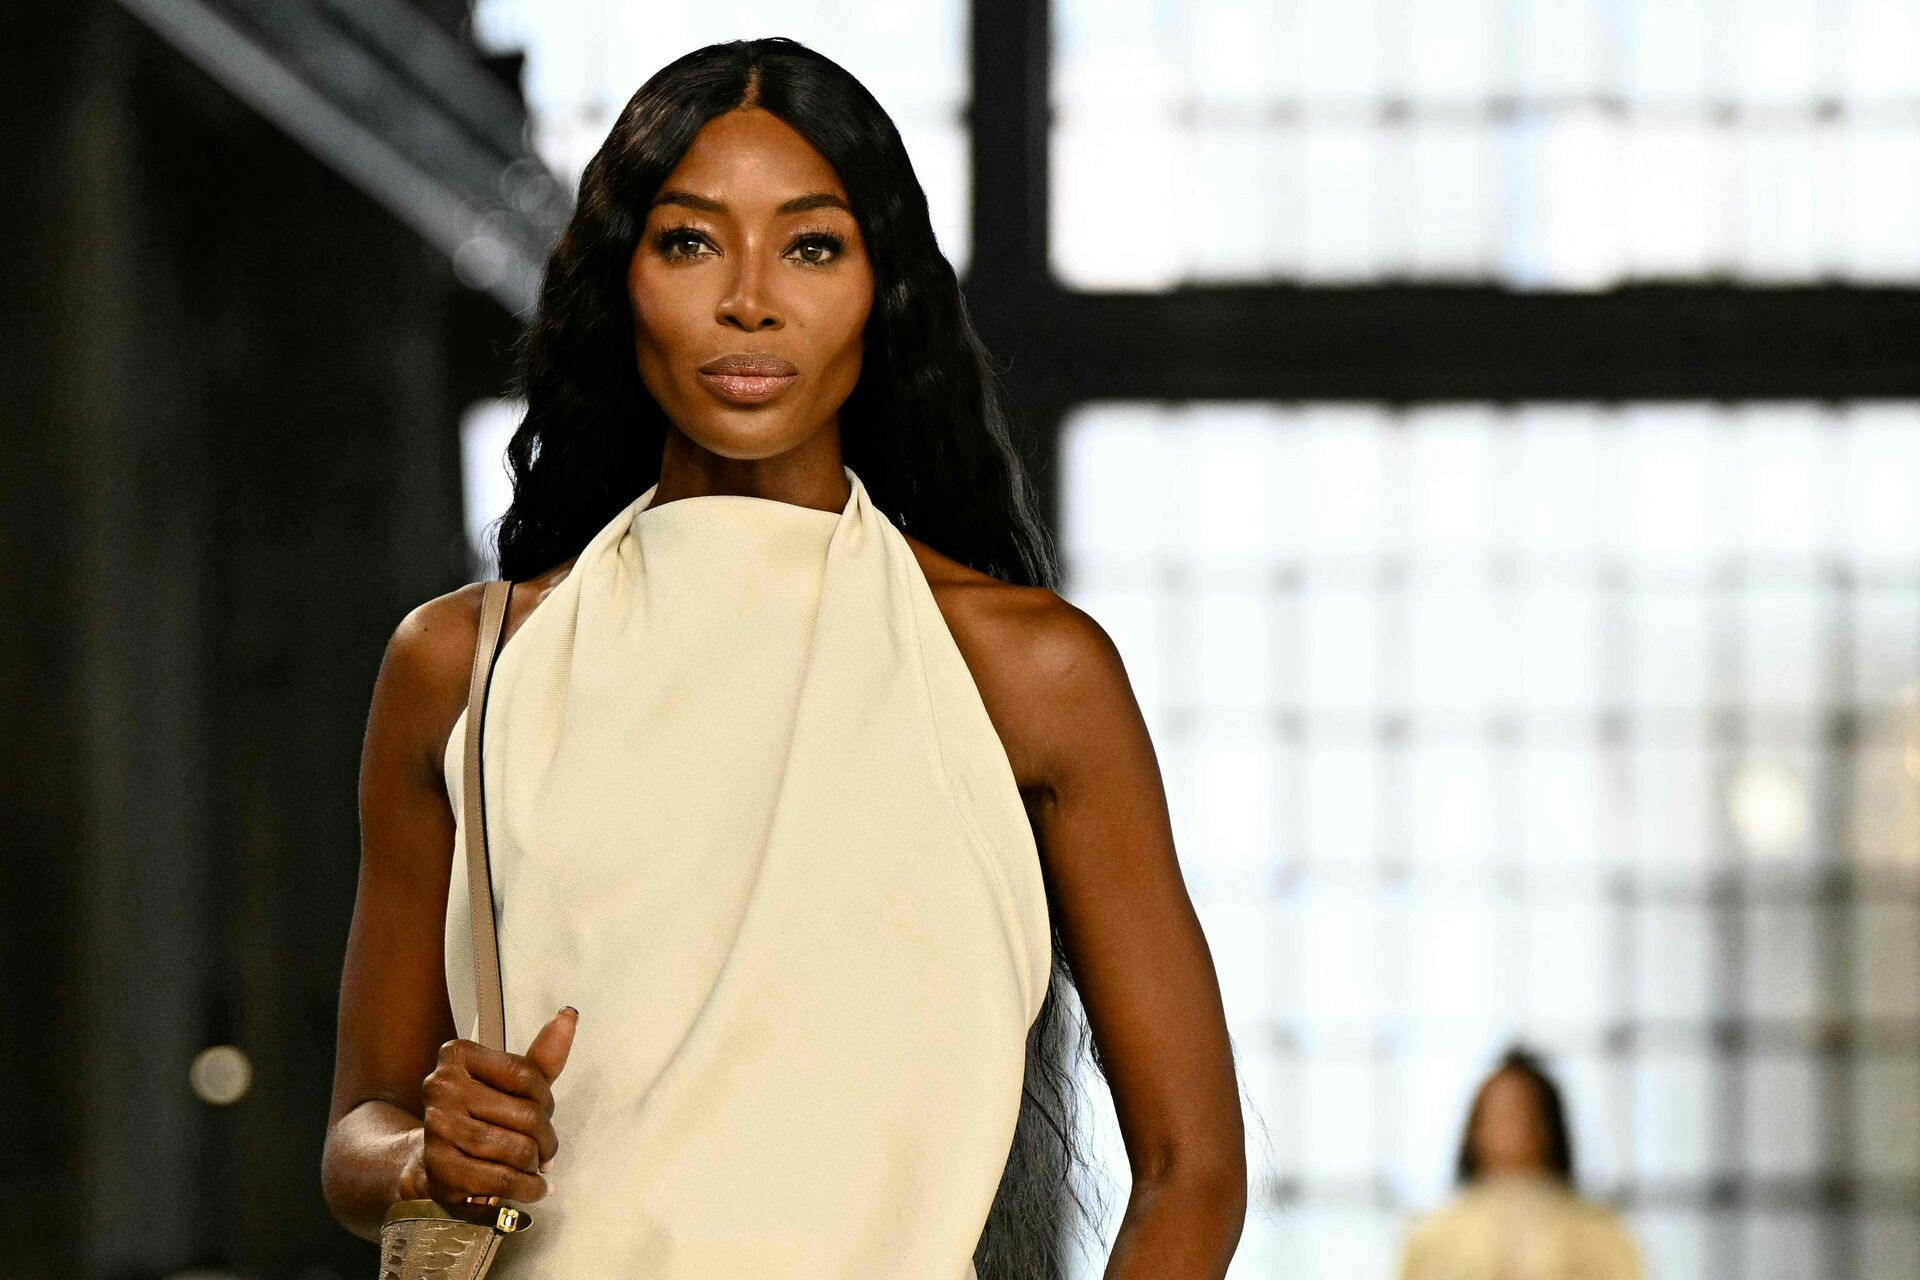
[751, 160]
[1511, 1086]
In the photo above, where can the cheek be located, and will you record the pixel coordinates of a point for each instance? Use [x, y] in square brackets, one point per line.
[842, 319]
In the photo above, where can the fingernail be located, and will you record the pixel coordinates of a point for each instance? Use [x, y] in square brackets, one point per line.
[570, 1009]
[546, 1164]
[549, 1182]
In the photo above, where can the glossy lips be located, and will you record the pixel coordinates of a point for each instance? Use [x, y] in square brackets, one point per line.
[748, 377]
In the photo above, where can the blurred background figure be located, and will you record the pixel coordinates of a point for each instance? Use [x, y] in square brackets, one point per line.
[1518, 1215]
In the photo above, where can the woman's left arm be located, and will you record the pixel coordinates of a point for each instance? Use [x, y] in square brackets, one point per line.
[1141, 963]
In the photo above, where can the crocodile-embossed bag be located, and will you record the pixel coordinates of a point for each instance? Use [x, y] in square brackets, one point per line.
[425, 1239]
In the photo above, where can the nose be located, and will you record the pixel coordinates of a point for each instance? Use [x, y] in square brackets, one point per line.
[747, 304]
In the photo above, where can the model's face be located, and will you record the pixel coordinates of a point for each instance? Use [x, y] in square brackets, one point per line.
[727, 266]
[1509, 1133]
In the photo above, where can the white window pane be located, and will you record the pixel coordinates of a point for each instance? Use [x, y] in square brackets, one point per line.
[1881, 472]
[1676, 181]
[1452, 788]
[1340, 658]
[1458, 953]
[1669, 49]
[1340, 49]
[1340, 1138]
[1782, 970]
[1229, 48]
[1784, 632]
[1449, 644]
[1886, 644]
[1340, 960]
[1769, 807]
[1117, 507]
[1782, 1244]
[1676, 1244]
[1890, 1244]
[1785, 480]
[1447, 49]
[1561, 450]
[1669, 645]
[1674, 961]
[1673, 1116]
[1559, 792]
[1242, 171]
[1452, 473]
[1563, 230]
[1786, 211]
[1349, 452]
[1672, 803]
[1886, 1115]
[1230, 635]
[1450, 172]
[1886, 956]
[1776, 51]
[1673, 511]
[1343, 803]
[1560, 47]
[1782, 1109]
[1879, 48]
[1229, 832]
[1238, 490]
[1561, 632]
[1882, 172]
[1342, 173]
[1571, 964]
[1104, 161]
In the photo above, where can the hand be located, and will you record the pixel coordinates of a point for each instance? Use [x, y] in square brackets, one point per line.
[489, 1117]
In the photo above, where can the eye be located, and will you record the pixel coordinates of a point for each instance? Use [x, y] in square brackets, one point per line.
[820, 240]
[666, 241]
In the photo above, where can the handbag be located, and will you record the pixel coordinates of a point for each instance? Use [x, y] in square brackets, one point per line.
[426, 1239]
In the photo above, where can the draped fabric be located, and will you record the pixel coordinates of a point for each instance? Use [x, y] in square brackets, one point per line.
[748, 814]
[1519, 1227]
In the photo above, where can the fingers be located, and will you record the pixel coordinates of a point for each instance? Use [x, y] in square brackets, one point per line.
[550, 1048]
[484, 1141]
[455, 1174]
[509, 1073]
[521, 1115]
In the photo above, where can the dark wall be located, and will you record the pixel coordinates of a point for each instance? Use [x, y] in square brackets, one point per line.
[229, 399]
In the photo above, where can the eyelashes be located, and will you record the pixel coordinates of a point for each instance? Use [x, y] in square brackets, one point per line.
[666, 243]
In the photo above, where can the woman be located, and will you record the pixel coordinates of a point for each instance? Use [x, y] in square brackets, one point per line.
[1518, 1217]
[804, 790]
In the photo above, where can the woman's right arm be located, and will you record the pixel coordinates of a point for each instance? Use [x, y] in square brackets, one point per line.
[394, 1013]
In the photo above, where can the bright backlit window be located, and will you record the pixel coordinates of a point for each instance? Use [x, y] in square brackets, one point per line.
[1542, 143]
[1592, 726]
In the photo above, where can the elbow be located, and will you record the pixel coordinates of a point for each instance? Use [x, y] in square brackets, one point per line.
[1218, 1176]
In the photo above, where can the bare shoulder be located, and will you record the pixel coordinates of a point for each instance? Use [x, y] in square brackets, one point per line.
[1033, 655]
[431, 656]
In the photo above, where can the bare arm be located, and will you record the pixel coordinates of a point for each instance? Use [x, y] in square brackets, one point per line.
[1145, 974]
[394, 1013]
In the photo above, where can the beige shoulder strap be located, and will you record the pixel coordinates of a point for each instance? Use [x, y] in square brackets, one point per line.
[487, 991]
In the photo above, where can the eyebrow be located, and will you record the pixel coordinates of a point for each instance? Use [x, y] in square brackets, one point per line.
[799, 204]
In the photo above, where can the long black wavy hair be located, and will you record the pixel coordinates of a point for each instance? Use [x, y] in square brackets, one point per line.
[1523, 1062]
[925, 429]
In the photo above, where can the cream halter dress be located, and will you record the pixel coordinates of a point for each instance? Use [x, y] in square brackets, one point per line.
[748, 814]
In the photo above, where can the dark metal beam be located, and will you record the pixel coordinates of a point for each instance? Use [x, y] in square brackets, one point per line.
[1414, 343]
[388, 99]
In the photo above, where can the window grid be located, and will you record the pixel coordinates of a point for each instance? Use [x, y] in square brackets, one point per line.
[1572, 144]
[1736, 905]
